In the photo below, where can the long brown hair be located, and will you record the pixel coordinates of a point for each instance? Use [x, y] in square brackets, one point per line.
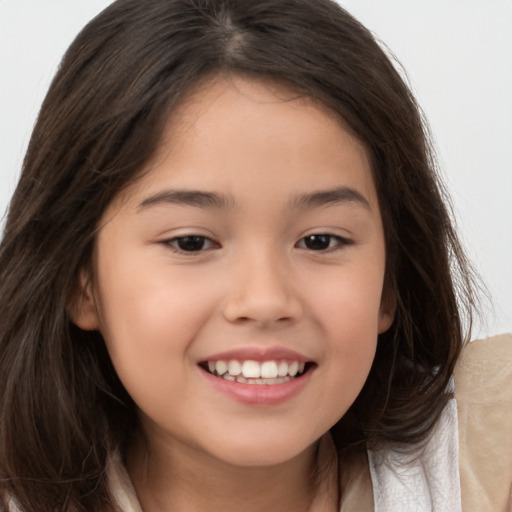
[63, 410]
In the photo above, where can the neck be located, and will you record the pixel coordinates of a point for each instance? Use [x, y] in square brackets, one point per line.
[166, 478]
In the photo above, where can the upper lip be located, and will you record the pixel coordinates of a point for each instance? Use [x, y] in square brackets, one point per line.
[259, 354]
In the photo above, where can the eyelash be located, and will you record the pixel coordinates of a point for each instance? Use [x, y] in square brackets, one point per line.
[333, 242]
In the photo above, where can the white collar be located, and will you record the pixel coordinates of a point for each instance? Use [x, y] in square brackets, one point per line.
[426, 479]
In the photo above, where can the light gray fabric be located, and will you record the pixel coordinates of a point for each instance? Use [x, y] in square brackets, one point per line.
[426, 481]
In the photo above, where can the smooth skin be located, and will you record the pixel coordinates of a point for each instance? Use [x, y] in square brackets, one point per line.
[255, 225]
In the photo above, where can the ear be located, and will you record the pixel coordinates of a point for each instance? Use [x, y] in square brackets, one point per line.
[387, 309]
[83, 310]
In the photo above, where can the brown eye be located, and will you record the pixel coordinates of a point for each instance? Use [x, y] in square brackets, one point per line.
[317, 242]
[322, 242]
[191, 243]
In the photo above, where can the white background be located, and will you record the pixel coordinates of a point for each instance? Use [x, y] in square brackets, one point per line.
[458, 58]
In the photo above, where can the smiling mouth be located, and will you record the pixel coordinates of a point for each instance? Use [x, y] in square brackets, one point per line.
[255, 372]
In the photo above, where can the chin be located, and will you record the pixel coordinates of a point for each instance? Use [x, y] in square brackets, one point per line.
[265, 453]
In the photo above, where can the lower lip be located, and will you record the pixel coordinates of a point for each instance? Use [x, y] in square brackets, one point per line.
[259, 394]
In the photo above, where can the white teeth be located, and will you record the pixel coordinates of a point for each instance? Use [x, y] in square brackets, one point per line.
[269, 370]
[293, 369]
[221, 367]
[242, 380]
[282, 369]
[251, 370]
[234, 368]
[254, 372]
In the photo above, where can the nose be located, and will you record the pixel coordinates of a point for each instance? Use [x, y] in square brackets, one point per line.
[261, 292]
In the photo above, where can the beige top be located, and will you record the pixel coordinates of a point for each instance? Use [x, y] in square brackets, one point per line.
[483, 387]
[483, 390]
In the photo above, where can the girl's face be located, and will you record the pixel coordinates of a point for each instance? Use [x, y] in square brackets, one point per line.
[253, 243]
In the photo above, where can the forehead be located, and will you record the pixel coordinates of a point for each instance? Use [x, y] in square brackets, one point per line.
[231, 130]
[268, 104]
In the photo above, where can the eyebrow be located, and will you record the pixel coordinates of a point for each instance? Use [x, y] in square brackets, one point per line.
[196, 198]
[331, 196]
[212, 200]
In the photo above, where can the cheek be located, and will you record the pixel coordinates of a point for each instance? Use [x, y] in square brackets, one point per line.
[150, 299]
[350, 302]
[349, 313]
[149, 319]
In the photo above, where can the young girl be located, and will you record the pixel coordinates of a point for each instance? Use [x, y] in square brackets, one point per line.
[229, 279]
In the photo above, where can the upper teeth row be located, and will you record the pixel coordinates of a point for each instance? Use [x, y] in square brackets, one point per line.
[254, 370]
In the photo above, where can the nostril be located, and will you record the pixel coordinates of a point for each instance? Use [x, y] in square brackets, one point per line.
[240, 320]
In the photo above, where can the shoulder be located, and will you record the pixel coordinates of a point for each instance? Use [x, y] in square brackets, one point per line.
[483, 388]
[481, 359]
